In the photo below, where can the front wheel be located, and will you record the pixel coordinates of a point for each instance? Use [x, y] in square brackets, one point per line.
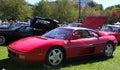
[2, 40]
[55, 56]
[108, 52]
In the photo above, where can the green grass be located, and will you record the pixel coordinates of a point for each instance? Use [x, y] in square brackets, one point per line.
[3, 52]
[88, 63]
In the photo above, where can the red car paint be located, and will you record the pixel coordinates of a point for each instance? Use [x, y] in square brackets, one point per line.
[117, 35]
[35, 48]
[94, 21]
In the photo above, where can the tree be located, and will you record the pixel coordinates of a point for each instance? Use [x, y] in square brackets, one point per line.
[62, 10]
[91, 4]
[66, 11]
[14, 9]
[43, 9]
[114, 13]
[99, 6]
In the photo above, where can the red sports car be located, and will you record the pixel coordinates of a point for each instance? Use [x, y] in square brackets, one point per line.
[62, 43]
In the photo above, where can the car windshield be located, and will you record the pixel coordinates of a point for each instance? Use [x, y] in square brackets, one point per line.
[58, 33]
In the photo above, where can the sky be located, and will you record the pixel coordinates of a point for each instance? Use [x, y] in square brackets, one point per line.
[105, 3]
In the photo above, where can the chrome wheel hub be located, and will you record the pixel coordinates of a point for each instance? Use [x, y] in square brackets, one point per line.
[55, 57]
[109, 50]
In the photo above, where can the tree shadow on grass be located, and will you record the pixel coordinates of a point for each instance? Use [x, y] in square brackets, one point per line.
[8, 64]
[86, 60]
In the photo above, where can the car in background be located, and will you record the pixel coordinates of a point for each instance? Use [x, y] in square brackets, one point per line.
[117, 24]
[15, 31]
[59, 44]
[112, 30]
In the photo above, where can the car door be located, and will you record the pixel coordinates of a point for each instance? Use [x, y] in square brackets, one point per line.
[85, 45]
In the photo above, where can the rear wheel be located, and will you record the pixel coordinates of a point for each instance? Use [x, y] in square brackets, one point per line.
[2, 40]
[55, 56]
[108, 52]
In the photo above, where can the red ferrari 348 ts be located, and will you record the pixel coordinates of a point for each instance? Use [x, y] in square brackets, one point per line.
[62, 43]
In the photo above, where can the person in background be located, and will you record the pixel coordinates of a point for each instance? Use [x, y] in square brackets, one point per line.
[5, 21]
[16, 21]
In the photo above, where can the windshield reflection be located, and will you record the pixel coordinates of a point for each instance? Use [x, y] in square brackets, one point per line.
[58, 33]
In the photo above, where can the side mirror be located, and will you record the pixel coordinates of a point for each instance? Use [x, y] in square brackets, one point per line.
[75, 37]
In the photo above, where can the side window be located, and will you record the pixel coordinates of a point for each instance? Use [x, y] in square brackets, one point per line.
[82, 34]
[93, 34]
[85, 34]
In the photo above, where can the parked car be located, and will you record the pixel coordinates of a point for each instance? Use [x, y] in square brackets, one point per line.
[112, 30]
[19, 30]
[60, 43]
[118, 23]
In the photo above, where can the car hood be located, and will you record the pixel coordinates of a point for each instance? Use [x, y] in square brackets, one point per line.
[31, 43]
[94, 21]
[42, 25]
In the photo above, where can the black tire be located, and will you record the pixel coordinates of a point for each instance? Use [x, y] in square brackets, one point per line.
[55, 56]
[108, 51]
[2, 40]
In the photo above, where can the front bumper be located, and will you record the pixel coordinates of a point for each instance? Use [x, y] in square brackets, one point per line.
[30, 58]
[22, 62]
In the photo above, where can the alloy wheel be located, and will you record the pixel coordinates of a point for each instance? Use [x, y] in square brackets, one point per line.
[55, 56]
[109, 50]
